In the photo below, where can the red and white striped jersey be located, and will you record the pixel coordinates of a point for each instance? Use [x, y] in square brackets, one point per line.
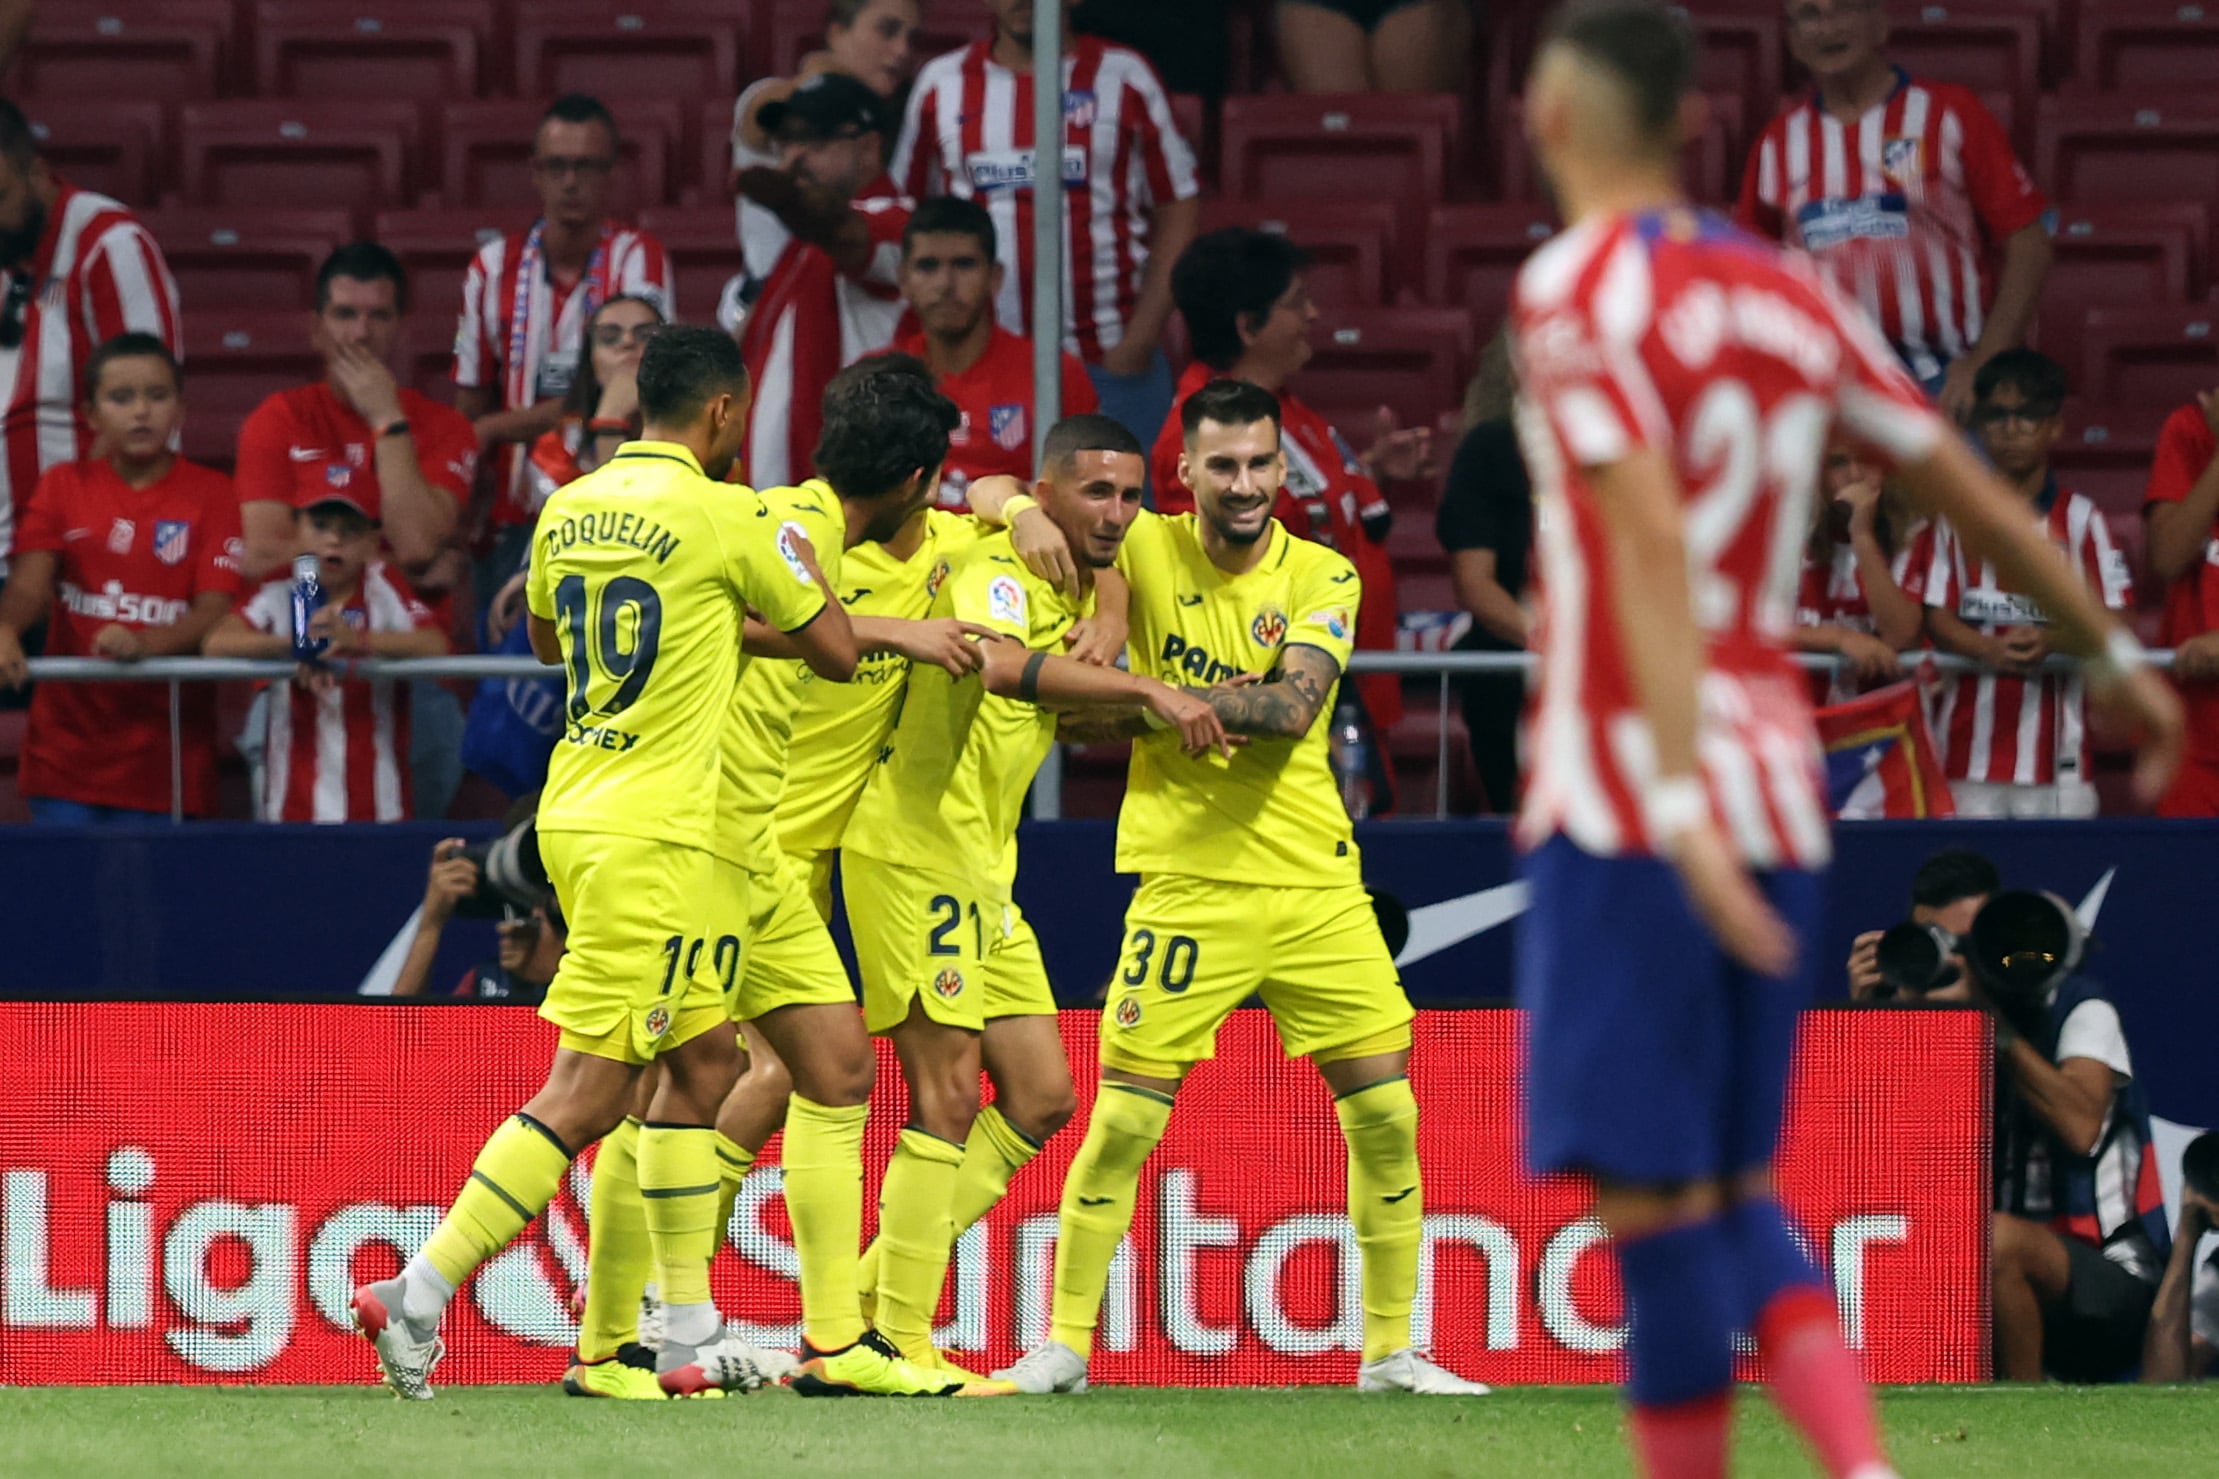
[524, 333]
[1831, 593]
[341, 755]
[810, 320]
[1673, 333]
[96, 273]
[969, 133]
[1903, 207]
[1994, 726]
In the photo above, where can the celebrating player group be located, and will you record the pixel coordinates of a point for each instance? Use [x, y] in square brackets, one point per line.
[761, 680]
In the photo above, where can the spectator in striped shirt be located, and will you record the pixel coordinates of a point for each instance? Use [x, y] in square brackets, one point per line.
[1905, 190]
[335, 751]
[1129, 183]
[528, 297]
[79, 270]
[2181, 508]
[2014, 738]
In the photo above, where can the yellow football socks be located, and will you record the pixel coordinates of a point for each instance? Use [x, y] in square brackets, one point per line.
[515, 1177]
[1098, 1204]
[1385, 1205]
[619, 1256]
[824, 1196]
[992, 1157]
[678, 1182]
[914, 1236]
[733, 1163]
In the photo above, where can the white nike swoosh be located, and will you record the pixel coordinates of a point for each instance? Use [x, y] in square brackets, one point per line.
[307, 454]
[1436, 927]
[70, 535]
[2092, 905]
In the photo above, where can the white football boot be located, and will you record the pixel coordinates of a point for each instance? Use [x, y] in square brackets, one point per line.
[1411, 1370]
[1050, 1369]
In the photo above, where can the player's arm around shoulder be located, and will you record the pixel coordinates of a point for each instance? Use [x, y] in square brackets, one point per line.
[1321, 625]
[773, 568]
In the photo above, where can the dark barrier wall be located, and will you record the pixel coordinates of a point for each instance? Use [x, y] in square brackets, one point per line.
[297, 912]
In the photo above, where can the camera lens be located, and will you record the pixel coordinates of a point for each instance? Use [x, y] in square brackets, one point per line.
[1914, 959]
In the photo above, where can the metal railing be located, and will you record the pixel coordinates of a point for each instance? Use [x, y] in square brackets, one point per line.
[178, 671]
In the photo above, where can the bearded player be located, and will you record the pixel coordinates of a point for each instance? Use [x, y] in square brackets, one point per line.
[1250, 884]
[1681, 385]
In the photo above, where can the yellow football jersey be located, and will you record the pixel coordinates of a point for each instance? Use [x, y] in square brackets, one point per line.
[951, 779]
[645, 568]
[839, 727]
[1271, 813]
[758, 734]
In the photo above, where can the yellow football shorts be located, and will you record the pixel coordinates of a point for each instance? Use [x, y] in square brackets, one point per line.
[817, 867]
[636, 978]
[919, 936]
[1196, 948]
[788, 958]
[1016, 976]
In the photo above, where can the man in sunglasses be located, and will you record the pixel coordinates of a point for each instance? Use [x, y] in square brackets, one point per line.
[2014, 737]
[78, 271]
[528, 298]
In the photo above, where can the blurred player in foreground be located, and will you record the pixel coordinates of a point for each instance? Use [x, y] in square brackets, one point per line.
[1681, 382]
[1250, 883]
[641, 575]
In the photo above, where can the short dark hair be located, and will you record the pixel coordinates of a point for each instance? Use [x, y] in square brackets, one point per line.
[683, 368]
[130, 345]
[1228, 403]
[578, 107]
[1089, 431]
[2030, 372]
[362, 261]
[1647, 46]
[1951, 875]
[884, 419]
[948, 215]
[19, 144]
[1229, 279]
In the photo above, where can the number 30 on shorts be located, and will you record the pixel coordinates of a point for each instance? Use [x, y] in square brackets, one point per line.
[725, 958]
[1176, 972]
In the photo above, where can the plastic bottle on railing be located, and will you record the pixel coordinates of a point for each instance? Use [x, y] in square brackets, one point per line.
[308, 599]
[1352, 758]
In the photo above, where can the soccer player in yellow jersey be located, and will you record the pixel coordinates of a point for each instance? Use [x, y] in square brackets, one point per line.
[641, 576]
[927, 856]
[1250, 884]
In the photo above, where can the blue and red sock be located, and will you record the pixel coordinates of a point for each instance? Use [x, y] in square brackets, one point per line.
[1680, 1299]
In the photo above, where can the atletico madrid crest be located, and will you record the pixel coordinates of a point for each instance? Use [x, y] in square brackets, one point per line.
[172, 540]
[1006, 425]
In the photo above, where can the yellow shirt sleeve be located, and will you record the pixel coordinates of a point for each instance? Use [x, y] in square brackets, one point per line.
[538, 599]
[995, 591]
[1325, 602]
[765, 563]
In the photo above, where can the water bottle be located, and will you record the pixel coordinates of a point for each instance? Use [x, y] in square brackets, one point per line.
[308, 599]
[1352, 757]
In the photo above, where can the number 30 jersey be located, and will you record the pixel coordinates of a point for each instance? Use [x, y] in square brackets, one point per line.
[646, 567]
[1671, 332]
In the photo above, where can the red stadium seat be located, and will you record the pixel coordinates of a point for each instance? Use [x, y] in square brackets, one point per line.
[2157, 356]
[1353, 245]
[636, 48]
[1355, 147]
[1987, 50]
[486, 148]
[1191, 115]
[94, 50]
[371, 48]
[2138, 45]
[13, 808]
[1711, 164]
[436, 246]
[112, 147]
[357, 154]
[2122, 256]
[704, 252]
[227, 259]
[1741, 54]
[238, 360]
[1472, 256]
[1411, 360]
[2096, 149]
[2106, 452]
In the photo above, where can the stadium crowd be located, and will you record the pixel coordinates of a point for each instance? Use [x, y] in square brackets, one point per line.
[1352, 256]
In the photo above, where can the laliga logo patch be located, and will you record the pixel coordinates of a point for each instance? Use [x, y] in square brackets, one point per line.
[932, 581]
[791, 537]
[1269, 628]
[1899, 159]
[1128, 1011]
[1005, 599]
[658, 1021]
[1336, 624]
[948, 985]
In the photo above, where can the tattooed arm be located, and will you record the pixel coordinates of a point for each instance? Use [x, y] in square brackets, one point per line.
[1286, 701]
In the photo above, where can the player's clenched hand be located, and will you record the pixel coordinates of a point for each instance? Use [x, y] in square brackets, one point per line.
[1730, 903]
[1864, 965]
[14, 666]
[1200, 730]
[1046, 553]
[118, 644]
[945, 643]
[1096, 640]
[2147, 707]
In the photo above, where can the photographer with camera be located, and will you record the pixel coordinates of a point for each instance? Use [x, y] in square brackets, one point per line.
[1920, 958]
[2183, 1340]
[504, 880]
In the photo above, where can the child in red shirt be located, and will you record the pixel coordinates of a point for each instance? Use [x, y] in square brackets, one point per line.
[143, 550]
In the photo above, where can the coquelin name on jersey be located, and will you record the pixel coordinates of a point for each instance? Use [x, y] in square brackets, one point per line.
[628, 529]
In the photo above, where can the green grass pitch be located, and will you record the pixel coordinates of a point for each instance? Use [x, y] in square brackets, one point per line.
[335, 1433]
